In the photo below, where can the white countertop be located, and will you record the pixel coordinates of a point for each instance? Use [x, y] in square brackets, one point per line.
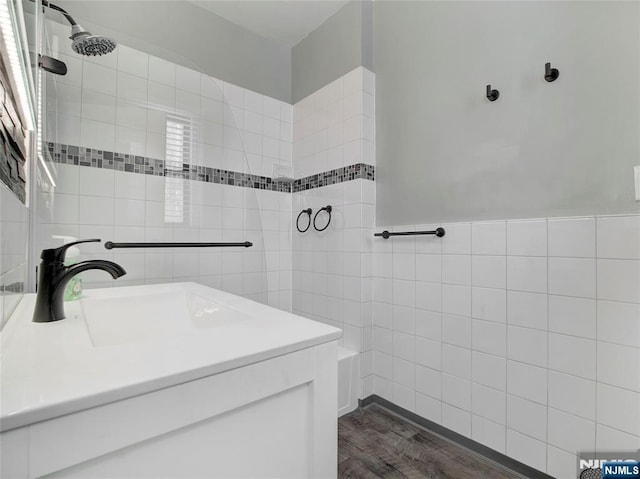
[52, 369]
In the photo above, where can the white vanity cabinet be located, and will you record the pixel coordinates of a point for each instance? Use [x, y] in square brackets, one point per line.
[270, 418]
[275, 419]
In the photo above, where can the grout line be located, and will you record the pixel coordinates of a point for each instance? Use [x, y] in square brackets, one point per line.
[546, 451]
[595, 415]
[442, 373]
[471, 324]
[506, 332]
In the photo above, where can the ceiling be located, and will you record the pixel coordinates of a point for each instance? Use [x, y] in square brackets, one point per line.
[287, 22]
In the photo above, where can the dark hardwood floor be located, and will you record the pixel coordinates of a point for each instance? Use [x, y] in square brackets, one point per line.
[374, 443]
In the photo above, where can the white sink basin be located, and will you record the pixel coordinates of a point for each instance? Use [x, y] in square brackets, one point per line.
[118, 343]
[116, 316]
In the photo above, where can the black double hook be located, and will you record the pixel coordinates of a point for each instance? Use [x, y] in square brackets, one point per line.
[328, 210]
[308, 211]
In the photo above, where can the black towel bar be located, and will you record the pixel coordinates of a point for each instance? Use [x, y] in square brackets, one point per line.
[112, 245]
[439, 232]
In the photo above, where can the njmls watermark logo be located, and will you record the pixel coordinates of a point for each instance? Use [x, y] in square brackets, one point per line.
[609, 465]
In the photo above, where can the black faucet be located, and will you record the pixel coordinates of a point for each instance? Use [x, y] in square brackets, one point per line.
[54, 276]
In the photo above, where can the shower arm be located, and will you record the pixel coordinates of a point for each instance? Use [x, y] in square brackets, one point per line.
[55, 7]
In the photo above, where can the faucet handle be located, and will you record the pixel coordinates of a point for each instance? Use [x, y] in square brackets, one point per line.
[56, 255]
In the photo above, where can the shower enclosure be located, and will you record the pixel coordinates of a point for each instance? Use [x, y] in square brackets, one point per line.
[134, 148]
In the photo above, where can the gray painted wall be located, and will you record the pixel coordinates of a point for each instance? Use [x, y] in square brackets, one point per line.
[193, 37]
[445, 153]
[342, 43]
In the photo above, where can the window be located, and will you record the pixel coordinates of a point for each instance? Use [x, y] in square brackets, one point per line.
[177, 165]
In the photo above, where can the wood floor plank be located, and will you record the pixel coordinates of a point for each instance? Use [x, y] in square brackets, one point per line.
[374, 443]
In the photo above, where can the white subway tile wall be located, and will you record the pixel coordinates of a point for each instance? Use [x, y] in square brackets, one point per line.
[128, 103]
[332, 269]
[334, 127]
[526, 333]
[213, 212]
[112, 110]
[14, 234]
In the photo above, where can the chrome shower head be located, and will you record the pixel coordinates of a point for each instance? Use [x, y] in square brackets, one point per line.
[84, 42]
[87, 44]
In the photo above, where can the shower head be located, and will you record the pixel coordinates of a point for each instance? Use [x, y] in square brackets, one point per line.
[85, 43]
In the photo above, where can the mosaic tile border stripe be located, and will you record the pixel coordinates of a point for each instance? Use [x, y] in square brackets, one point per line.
[339, 175]
[93, 158]
[16, 288]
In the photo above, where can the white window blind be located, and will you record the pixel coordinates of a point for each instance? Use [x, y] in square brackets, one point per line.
[177, 163]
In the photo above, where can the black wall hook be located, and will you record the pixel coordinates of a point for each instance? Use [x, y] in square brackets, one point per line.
[550, 74]
[492, 95]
